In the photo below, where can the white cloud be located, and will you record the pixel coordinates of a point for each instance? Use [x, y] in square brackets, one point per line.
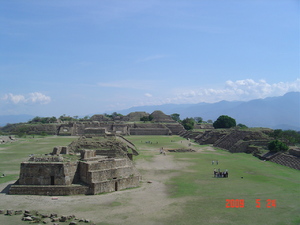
[241, 90]
[14, 98]
[148, 95]
[35, 97]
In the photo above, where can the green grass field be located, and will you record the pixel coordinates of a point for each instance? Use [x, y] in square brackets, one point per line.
[261, 180]
[12, 154]
[205, 195]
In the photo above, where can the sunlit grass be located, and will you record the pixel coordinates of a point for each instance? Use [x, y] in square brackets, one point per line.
[249, 179]
[12, 154]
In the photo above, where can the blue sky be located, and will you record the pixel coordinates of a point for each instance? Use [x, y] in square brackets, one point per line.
[83, 57]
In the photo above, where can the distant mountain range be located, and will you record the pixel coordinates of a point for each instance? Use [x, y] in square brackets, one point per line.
[281, 112]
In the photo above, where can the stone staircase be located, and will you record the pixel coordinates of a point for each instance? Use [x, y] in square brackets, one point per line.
[210, 136]
[228, 141]
[287, 160]
[175, 128]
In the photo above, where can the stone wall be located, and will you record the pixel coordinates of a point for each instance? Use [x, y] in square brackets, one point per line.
[85, 154]
[105, 169]
[57, 190]
[115, 185]
[94, 131]
[211, 136]
[204, 126]
[44, 173]
[295, 152]
[175, 128]
[108, 175]
[149, 131]
[60, 150]
[65, 129]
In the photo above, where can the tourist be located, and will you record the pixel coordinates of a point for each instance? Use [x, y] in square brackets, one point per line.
[212, 163]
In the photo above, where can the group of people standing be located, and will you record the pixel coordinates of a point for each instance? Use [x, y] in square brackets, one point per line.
[219, 173]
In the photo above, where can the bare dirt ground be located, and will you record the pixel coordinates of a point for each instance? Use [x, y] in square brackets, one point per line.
[148, 204]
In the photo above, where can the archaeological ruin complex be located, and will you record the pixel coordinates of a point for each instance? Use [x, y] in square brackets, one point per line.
[104, 167]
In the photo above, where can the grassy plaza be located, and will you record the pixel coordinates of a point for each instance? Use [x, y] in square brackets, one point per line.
[270, 192]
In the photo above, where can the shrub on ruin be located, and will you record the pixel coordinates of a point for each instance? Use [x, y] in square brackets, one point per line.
[288, 136]
[224, 122]
[176, 117]
[188, 123]
[198, 119]
[243, 126]
[146, 118]
[276, 146]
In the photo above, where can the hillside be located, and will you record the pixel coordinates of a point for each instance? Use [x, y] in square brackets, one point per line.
[281, 112]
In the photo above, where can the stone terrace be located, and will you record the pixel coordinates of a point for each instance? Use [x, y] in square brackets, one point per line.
[287, 160]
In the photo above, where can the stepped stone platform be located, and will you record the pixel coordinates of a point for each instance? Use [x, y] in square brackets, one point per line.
[234, 140]
[210, 136]
[175, 128]
[287, 160]
[93, 172]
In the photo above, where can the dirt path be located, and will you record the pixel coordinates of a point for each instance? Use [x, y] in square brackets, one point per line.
[148, 204]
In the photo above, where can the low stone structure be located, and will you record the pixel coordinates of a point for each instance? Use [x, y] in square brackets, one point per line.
[94, 172]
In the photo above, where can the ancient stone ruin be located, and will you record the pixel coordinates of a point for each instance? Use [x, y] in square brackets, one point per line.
[161, 124]
[104, 167]
[249, 141]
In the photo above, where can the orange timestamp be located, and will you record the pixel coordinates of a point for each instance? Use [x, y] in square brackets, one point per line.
[240, 203]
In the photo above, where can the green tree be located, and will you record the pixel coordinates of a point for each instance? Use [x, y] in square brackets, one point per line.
[276, 134]
[86, 117]
[288, 136]
[175, 116]
[65, 118]
[146, 118]
[224, 122]
[188, 123]
[291, 136]
[150, 117]
[198, 119]
[52, 119]
[276, 145]
[241, 125]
